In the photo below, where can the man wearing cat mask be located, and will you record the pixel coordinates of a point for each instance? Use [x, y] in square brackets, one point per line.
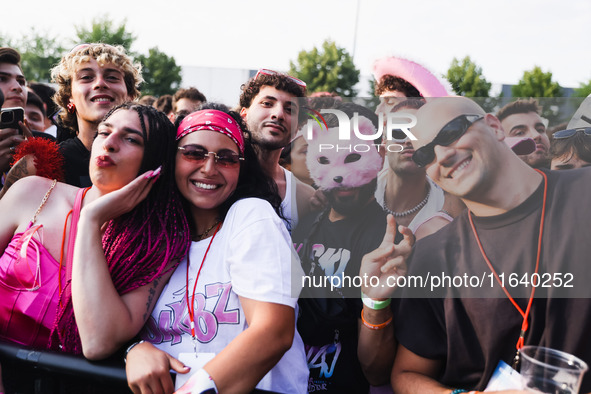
[331, 245]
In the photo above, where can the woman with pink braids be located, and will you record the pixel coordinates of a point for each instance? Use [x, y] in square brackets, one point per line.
[102, 253]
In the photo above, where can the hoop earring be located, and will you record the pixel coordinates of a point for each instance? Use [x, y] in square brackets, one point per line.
[71, 108]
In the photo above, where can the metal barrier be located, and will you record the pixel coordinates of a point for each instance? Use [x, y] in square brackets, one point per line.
[55, 372]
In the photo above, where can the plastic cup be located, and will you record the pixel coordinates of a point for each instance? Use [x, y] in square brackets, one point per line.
[546, 370]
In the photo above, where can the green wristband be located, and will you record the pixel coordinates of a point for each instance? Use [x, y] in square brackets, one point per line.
[373, 304]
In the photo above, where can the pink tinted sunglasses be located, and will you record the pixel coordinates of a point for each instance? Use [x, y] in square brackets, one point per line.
[265, 71]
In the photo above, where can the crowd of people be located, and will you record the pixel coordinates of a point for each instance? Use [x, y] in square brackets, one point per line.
[108, 195]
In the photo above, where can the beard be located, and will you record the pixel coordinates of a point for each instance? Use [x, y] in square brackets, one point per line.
[351, 204]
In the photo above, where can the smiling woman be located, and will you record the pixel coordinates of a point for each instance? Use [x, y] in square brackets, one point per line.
[233, 292]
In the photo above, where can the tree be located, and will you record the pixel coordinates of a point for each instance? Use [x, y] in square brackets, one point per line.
[103, 30]
[466, 78]
[536, 83]
[583, 90]
[39, 54]
[329, 69]
[160, 72]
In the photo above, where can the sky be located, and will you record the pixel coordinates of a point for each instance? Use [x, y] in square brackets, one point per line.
[504, 37]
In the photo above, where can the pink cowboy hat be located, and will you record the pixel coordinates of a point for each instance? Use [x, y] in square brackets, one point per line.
[421, 78]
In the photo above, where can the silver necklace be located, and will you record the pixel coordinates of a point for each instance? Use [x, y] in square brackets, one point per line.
[408, 211]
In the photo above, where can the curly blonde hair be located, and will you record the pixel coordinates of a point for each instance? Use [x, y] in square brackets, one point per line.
[103, 53]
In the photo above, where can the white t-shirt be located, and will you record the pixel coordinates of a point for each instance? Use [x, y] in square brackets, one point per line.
[289, 204]
[252, 256]
[433, 205]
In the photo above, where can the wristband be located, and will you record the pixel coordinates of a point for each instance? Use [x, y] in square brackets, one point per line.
[201, 383]
[375, 326]
[373, 304]
[129, 349]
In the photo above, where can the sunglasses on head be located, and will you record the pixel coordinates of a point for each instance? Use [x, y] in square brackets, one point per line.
[448, 134]
[265, 71]
[571, 132]
[197, 154]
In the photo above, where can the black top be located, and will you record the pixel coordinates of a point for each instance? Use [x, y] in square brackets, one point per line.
[76, 162]
[329, 325]
[470, 329]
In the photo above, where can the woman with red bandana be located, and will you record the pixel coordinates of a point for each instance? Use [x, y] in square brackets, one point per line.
[226, 319]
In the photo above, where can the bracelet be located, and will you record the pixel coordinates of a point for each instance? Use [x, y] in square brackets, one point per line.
[375, 326]
[373, 304]
[458, 391]
[131, 347]
[201, 382]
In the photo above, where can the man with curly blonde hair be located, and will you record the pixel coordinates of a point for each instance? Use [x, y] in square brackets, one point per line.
[91, 79]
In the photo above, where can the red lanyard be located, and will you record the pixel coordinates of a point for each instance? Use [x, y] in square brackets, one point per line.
[524, 325]
[191, 305]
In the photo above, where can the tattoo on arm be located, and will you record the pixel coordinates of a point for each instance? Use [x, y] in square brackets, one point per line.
[151, 298]
[19, 170]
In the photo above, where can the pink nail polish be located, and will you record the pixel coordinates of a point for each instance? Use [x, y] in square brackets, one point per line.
[149, 175]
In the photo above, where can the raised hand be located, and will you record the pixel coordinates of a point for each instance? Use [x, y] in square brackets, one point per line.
[386, 263]
[118, 202]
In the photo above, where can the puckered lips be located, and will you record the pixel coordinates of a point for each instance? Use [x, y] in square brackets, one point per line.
[104, 161]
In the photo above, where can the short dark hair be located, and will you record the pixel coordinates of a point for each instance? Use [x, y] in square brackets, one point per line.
[578, 145]
[164, 104]
[147, 100]
[10, 56]
[45, 92]
[278, 81]
[34, 99]
[520, 106]
[191, 93]
[390, 83]
[412, 103]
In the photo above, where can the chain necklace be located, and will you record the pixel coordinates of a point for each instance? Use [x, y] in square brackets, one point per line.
[206, 232]
[408, 211]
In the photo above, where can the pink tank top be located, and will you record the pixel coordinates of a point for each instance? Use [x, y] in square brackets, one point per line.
[29, 287]
[21, 325]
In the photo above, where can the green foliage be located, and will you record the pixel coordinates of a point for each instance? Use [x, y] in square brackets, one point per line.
[39, 54]
[372, 88]
[583, 90]
[160, 72]
[466, 78]
[329, 69]
[105, 31]
[536, 83]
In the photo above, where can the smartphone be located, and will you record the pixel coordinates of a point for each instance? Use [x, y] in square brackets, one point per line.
[10, 117]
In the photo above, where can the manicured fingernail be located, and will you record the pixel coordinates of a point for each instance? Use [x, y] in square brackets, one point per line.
[187, 367]
[157, 171]
[149, 175]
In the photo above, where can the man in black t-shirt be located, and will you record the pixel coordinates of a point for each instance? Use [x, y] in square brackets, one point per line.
[521, 223]
[331, 246]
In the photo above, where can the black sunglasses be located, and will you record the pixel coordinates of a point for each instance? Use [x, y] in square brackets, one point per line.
[198, 155]
[570, 132]
[448, 134]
